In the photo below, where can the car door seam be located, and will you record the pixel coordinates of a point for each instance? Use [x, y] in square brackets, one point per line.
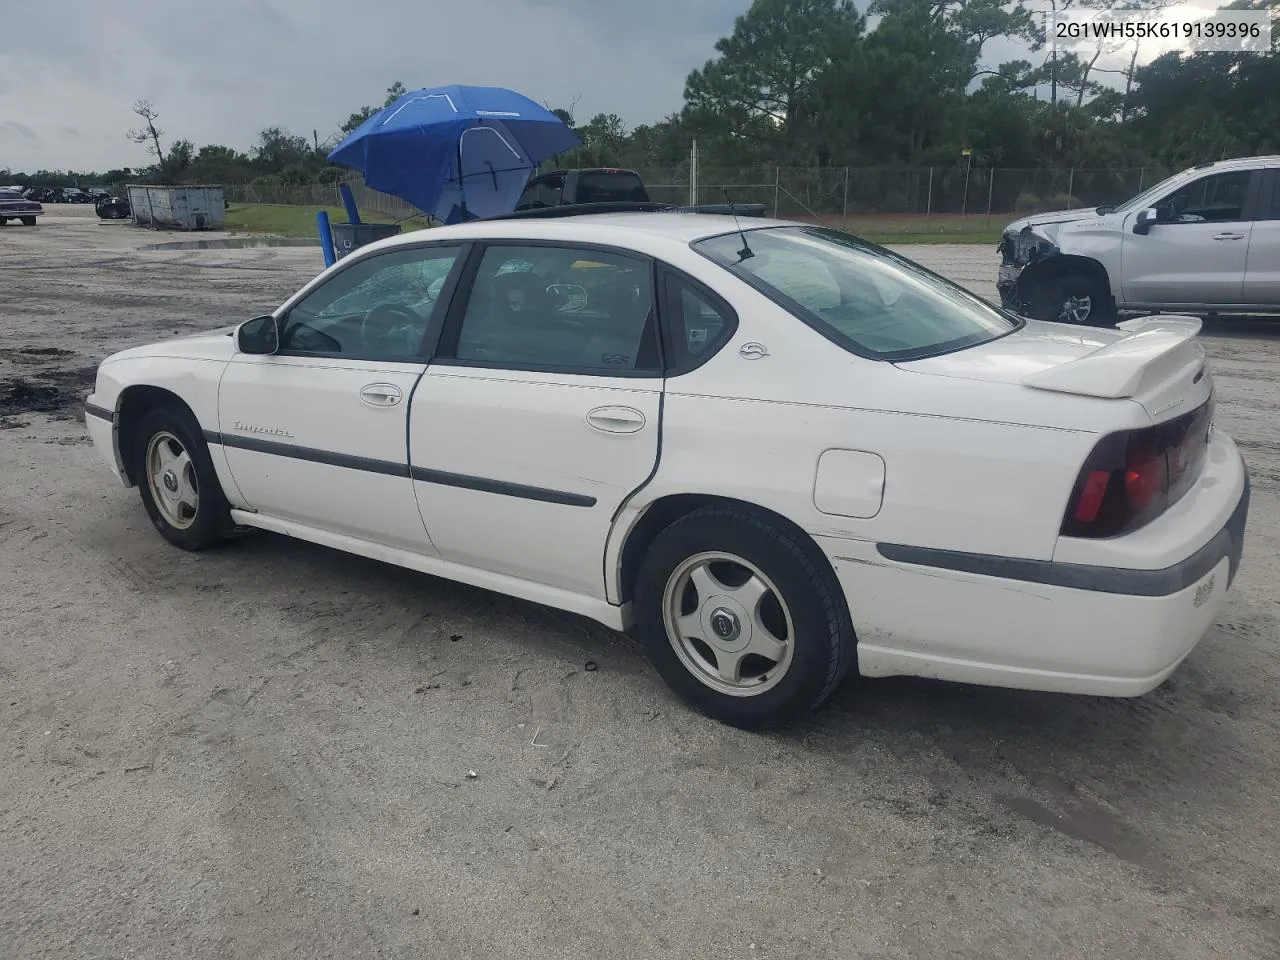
[408, 442]
[626, 501]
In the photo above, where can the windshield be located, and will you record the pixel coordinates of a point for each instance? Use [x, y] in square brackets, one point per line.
[1143, 199]
[865, 298]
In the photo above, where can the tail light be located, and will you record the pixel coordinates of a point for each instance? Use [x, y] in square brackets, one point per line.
[1132, 477]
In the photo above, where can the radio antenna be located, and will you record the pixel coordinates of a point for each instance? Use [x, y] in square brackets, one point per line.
[746, 252]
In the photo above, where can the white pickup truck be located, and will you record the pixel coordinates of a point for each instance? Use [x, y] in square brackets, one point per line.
[1204, 241]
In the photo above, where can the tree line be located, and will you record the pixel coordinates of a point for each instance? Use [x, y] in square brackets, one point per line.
[812, 83]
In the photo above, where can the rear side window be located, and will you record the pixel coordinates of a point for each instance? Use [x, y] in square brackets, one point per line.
[697, 322]
[544, 193]
[602, 187]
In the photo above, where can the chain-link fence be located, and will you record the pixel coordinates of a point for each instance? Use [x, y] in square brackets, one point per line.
[830, 194]
[322, 195]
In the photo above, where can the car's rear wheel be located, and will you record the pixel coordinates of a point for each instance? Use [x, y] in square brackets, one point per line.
[3, 221]
[741, 618]
[176, 480]
[28, 221]
[1074, 297]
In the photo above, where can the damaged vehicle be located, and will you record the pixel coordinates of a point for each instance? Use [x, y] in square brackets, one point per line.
[1204, 241]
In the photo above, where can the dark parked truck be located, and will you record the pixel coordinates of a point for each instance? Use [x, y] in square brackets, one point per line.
[562, 188]
[609, 185]
[14, 206]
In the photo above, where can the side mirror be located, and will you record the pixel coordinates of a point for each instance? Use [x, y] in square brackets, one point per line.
[1146, 218]
[259, 335]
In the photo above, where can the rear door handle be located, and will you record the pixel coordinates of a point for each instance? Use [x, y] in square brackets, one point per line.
[381, 394]
[1228, 236]
[616, 419]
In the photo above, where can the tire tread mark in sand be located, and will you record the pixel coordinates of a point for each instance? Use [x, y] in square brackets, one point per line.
[1087, 821]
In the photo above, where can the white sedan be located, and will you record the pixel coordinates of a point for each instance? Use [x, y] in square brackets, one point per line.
[778, 453]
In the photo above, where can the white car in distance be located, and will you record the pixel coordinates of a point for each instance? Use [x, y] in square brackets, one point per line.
[777, 452]
[1204, 241]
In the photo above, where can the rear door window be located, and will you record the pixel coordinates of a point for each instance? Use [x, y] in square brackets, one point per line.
[559, 308]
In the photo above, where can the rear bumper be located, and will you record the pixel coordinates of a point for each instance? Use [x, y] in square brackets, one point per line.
[1036, 625]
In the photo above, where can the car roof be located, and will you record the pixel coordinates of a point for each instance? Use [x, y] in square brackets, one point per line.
[602, 228]
[1236, 163]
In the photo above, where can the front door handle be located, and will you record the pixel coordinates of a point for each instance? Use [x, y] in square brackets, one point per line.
[616, 419]
[381, 394]
[1228, 236]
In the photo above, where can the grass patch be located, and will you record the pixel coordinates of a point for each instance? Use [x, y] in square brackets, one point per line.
[292, 220]
[985, 238]
[917, 228]
[295, 220]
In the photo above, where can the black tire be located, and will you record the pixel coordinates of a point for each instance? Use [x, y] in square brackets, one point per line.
[210, 521]
[1054, 298]
[822, 642]
[28, 221]
[3, 221]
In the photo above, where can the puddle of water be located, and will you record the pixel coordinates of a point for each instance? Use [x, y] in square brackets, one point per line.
[235, 243]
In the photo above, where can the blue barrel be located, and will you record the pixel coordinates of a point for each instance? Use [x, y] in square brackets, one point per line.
[349, 236]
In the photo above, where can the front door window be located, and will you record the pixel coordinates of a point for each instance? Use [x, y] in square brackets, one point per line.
[377, 309]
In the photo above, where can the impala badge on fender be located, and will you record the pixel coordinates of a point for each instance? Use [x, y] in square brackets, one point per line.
[252, 428]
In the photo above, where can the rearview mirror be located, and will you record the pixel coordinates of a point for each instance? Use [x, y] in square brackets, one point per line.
[1145, 219]
[258, 335]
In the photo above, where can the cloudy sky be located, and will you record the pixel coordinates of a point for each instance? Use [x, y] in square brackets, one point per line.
[220, 71]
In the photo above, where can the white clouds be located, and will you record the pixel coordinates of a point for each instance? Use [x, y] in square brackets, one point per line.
[220, 72]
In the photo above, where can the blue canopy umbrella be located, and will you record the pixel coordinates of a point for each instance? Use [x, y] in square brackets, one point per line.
[455, 152]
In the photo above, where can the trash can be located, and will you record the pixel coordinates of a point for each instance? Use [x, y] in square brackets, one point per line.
[348, 236]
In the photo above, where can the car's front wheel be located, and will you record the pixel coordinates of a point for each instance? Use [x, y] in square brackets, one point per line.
[1074, 297]
[741, 618]
[177, 482]
[28, 221]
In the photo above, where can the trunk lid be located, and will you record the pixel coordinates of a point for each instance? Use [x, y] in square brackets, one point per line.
[1155, 361]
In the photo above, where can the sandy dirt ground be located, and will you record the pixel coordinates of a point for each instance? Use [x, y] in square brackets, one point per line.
[276, 750]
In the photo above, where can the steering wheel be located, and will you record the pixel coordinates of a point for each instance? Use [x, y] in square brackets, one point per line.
[373, 319]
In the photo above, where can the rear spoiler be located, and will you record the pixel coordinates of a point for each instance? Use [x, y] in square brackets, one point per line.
[1119, 368]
